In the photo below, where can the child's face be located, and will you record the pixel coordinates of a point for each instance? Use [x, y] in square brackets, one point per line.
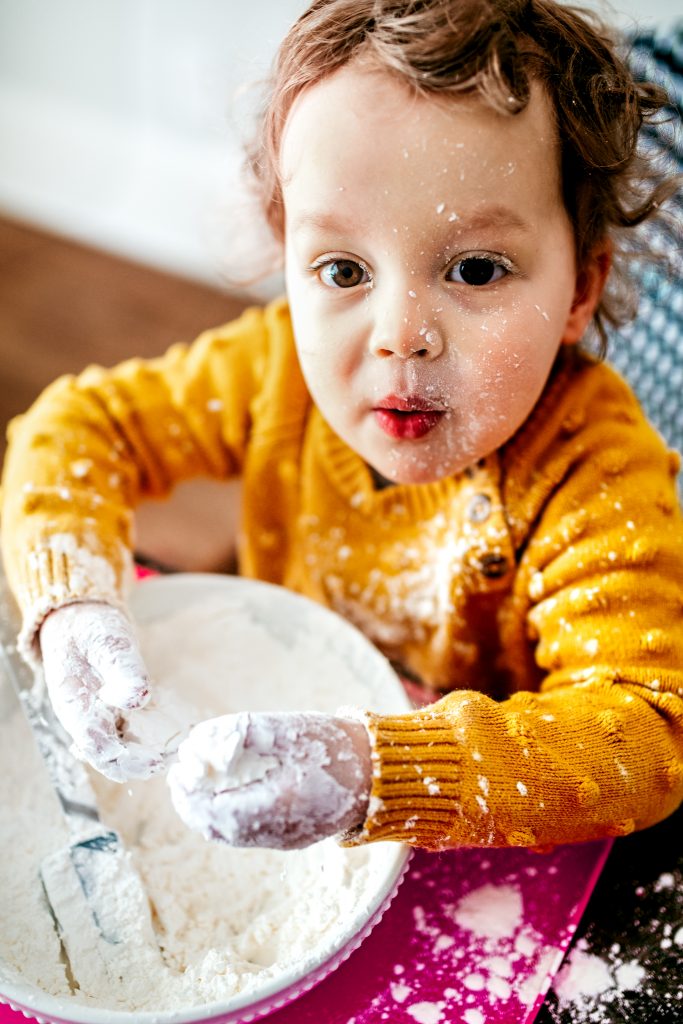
[430, 268]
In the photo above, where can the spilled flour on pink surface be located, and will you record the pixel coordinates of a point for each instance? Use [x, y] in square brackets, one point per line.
[510, 957]
[480, 954]
[427, 1013]
[492, 912]
[487, 932]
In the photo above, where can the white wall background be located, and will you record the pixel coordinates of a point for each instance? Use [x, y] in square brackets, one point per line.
[119, 122]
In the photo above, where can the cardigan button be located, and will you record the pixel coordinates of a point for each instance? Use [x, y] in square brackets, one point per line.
[493, 566]
[479, 508]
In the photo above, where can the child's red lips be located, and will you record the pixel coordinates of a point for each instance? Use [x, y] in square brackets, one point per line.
[408, 403]
[409, 417]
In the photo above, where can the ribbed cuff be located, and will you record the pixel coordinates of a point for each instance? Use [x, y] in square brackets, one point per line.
[416, 781]
[61, 572]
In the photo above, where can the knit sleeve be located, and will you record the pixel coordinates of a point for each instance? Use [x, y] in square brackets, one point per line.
[92, 446]
[593, 631]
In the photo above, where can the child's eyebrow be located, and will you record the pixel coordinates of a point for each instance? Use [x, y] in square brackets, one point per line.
[322, 221]
[497, 216]
[492, 217]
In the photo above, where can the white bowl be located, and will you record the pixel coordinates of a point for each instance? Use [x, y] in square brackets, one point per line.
[289, 622]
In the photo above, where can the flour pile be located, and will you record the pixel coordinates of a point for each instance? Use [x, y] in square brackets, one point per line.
[597, 984]
[228, 921]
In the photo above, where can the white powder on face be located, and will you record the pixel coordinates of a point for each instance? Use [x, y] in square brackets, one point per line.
[227, 920]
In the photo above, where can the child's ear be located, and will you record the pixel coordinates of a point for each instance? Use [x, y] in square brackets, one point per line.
[590, 281]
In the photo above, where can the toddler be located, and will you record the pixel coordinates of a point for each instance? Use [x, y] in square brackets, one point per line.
[424, 448]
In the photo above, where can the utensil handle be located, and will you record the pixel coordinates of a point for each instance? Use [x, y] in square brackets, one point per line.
[67, 774]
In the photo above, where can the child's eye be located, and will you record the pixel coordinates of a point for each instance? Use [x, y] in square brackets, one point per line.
[343, 274]
[478, 270]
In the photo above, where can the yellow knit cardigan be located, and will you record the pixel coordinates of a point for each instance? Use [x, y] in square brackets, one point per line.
[541, 590]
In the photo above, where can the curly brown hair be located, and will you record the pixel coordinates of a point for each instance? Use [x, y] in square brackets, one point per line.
[494, 48]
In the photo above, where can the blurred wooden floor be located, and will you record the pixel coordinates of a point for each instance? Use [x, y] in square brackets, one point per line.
[63, 306]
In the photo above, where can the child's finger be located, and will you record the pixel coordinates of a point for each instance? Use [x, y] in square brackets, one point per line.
[91, 725]
[124, 687]
[97, 740]
[133, 762]
[111, 648]
[72, 687]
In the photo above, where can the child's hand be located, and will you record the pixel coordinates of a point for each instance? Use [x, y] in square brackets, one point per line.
[277, 779]
[95, 674]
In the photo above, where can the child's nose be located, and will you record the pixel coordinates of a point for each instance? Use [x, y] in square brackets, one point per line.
[405, 337]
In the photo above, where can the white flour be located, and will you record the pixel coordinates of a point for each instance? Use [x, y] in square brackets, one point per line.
[227, 920]
[593, 986]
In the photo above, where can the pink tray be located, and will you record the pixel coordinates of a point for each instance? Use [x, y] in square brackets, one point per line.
[472, 936]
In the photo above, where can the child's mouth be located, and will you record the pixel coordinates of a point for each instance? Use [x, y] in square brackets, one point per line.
[407, 418]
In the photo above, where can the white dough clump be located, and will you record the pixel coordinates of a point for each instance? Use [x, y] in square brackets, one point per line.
[227, 757]
[227, 920]
[276, 780]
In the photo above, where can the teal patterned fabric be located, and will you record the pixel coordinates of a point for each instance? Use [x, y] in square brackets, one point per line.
[649, 350]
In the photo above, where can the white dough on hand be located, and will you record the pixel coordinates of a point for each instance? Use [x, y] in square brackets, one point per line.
[96, 679]
[281, 780]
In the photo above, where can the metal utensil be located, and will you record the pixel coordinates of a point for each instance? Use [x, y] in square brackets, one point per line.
[96, 898]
